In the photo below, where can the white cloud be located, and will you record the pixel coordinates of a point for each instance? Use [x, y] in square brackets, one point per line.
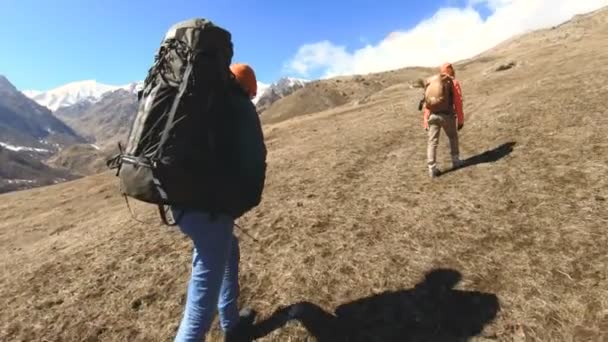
[322, 53]
[451, 34]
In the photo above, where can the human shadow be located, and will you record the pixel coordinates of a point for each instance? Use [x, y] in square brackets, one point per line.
[489, 156]
[431, 311]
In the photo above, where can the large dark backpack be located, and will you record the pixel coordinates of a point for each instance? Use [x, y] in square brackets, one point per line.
[170, 157]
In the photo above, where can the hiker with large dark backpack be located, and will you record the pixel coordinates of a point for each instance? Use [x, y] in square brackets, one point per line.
[197, 147]
[442, 104]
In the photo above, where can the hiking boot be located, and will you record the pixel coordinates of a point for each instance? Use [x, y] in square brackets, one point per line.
[457, 162]
[243, 330]
[434, 172]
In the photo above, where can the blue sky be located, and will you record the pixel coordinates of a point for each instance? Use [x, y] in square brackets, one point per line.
[48, 43]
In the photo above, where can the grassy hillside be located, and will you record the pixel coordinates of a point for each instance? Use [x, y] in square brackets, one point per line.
[355, 241]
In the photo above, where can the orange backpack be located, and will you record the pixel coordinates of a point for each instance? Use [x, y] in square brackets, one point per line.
[438, 94]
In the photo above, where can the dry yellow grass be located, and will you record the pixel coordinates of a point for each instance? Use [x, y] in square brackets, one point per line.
[81, 159]
[351, 224]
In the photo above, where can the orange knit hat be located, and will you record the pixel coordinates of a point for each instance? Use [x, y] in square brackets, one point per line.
[246, 77]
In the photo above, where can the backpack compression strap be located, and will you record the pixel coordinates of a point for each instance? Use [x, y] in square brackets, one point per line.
[178, 97]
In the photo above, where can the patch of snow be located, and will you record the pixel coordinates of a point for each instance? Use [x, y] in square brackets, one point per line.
[281, 87]
[23, 148]
[21, 181]
[133, 87]
[95, 147]
[31, 93]
[292, 81]
[262, 87]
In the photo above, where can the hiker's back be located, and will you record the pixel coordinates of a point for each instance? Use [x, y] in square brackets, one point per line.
[192, 128]
[241, 155]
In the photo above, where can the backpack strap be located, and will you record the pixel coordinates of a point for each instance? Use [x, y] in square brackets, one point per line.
[176, 101]
[452, 95]
[163, 216]
[131, 211]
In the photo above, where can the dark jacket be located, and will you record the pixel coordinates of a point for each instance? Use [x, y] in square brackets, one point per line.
[241, 154]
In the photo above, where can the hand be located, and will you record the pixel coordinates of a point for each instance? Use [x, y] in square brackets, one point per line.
[460, 126]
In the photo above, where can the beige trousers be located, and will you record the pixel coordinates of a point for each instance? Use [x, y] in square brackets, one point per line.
[436, 123]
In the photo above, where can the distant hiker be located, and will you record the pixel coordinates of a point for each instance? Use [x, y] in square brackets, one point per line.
[246, 77]
[443, 109]
[197, 145]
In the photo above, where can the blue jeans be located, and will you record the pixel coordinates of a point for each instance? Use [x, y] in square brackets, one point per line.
[214, 280]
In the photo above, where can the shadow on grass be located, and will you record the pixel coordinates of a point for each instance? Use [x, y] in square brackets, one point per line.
[489, 156]
[431, 311]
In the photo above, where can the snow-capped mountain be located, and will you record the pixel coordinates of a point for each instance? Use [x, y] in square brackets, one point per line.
[29, 133]
[289, 82]
[74, 93]
[104, 122]
[132, 87]
[91, 91]
[27, 126]
[262, 87]
[31, 93]
[276, 91]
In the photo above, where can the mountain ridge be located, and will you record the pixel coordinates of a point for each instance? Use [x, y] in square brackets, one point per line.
[277, 90]
[76, 92]
[105, 121]
[29, 134]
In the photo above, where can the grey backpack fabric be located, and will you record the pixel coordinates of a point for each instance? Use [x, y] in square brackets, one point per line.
[171, 155]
